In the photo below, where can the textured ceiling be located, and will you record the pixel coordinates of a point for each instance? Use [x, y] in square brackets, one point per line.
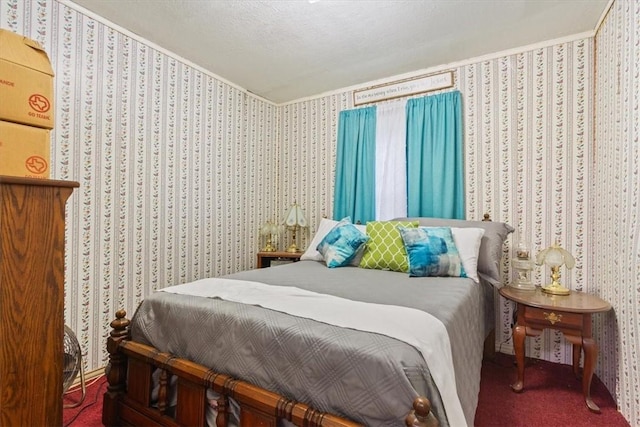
[284, 50]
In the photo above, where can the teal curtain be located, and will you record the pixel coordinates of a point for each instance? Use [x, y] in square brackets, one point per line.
[435, 169]
[354, 194]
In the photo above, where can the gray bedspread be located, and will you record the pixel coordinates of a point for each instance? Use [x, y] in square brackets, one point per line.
[363, 376]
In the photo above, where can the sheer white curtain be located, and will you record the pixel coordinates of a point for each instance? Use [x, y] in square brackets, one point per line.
[391, 161]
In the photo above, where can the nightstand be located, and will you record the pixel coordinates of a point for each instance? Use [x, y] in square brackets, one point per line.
[569, 314]
[265, 258]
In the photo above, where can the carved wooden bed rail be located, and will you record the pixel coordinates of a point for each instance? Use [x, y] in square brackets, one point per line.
[127, 400]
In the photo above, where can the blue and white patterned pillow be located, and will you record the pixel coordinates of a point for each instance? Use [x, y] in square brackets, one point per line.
[341, 244]
[432, 252]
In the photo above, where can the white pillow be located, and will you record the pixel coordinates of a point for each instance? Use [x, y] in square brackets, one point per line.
[326, 225]
[468, 241]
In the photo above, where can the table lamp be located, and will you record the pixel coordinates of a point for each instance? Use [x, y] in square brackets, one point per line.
[554, 257]
[294, 220]
[269, 229]
[523, 265]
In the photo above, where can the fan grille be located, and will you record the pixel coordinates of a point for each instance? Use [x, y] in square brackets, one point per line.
[72, 358]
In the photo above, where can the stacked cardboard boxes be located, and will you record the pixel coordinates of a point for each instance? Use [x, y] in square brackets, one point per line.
[26, 107]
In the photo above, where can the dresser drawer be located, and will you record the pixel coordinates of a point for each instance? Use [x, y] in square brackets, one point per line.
[552, 318]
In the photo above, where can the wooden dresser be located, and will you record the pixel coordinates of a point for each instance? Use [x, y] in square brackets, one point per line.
[32, 238]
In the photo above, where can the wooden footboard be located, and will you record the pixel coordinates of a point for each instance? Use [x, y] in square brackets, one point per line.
[127, 401]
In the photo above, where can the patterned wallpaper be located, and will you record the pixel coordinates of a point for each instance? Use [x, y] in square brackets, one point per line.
[178, 170]
[528, 132]
[615, 229]
[175, 168]
[530, 153]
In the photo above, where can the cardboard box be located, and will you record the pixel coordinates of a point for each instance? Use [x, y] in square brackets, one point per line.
[26, 81]
[24, 150]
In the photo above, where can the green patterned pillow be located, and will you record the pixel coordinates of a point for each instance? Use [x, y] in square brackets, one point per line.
[385, 248]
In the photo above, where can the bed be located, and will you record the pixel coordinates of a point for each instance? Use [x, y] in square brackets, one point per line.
[192, 356]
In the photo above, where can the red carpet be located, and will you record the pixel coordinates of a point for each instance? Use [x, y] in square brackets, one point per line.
[552, 397]
[89, 413]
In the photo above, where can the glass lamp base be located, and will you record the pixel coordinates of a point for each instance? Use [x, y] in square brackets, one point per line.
[523, 286]
[523, 268]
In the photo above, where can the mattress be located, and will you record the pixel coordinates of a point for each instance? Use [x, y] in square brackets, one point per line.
[367, 377]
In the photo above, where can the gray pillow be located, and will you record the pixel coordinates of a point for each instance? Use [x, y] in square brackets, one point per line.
[490, 255]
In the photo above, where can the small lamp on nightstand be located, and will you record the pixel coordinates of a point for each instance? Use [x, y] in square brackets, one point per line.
[523, 265]
[554, 256]
[294, 220]
[270, 230]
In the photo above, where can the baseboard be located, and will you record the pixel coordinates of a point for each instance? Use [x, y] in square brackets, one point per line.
[506, 348]
[88, 376]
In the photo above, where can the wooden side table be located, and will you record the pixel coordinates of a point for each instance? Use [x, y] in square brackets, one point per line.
[571, 315]
[264, 258]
